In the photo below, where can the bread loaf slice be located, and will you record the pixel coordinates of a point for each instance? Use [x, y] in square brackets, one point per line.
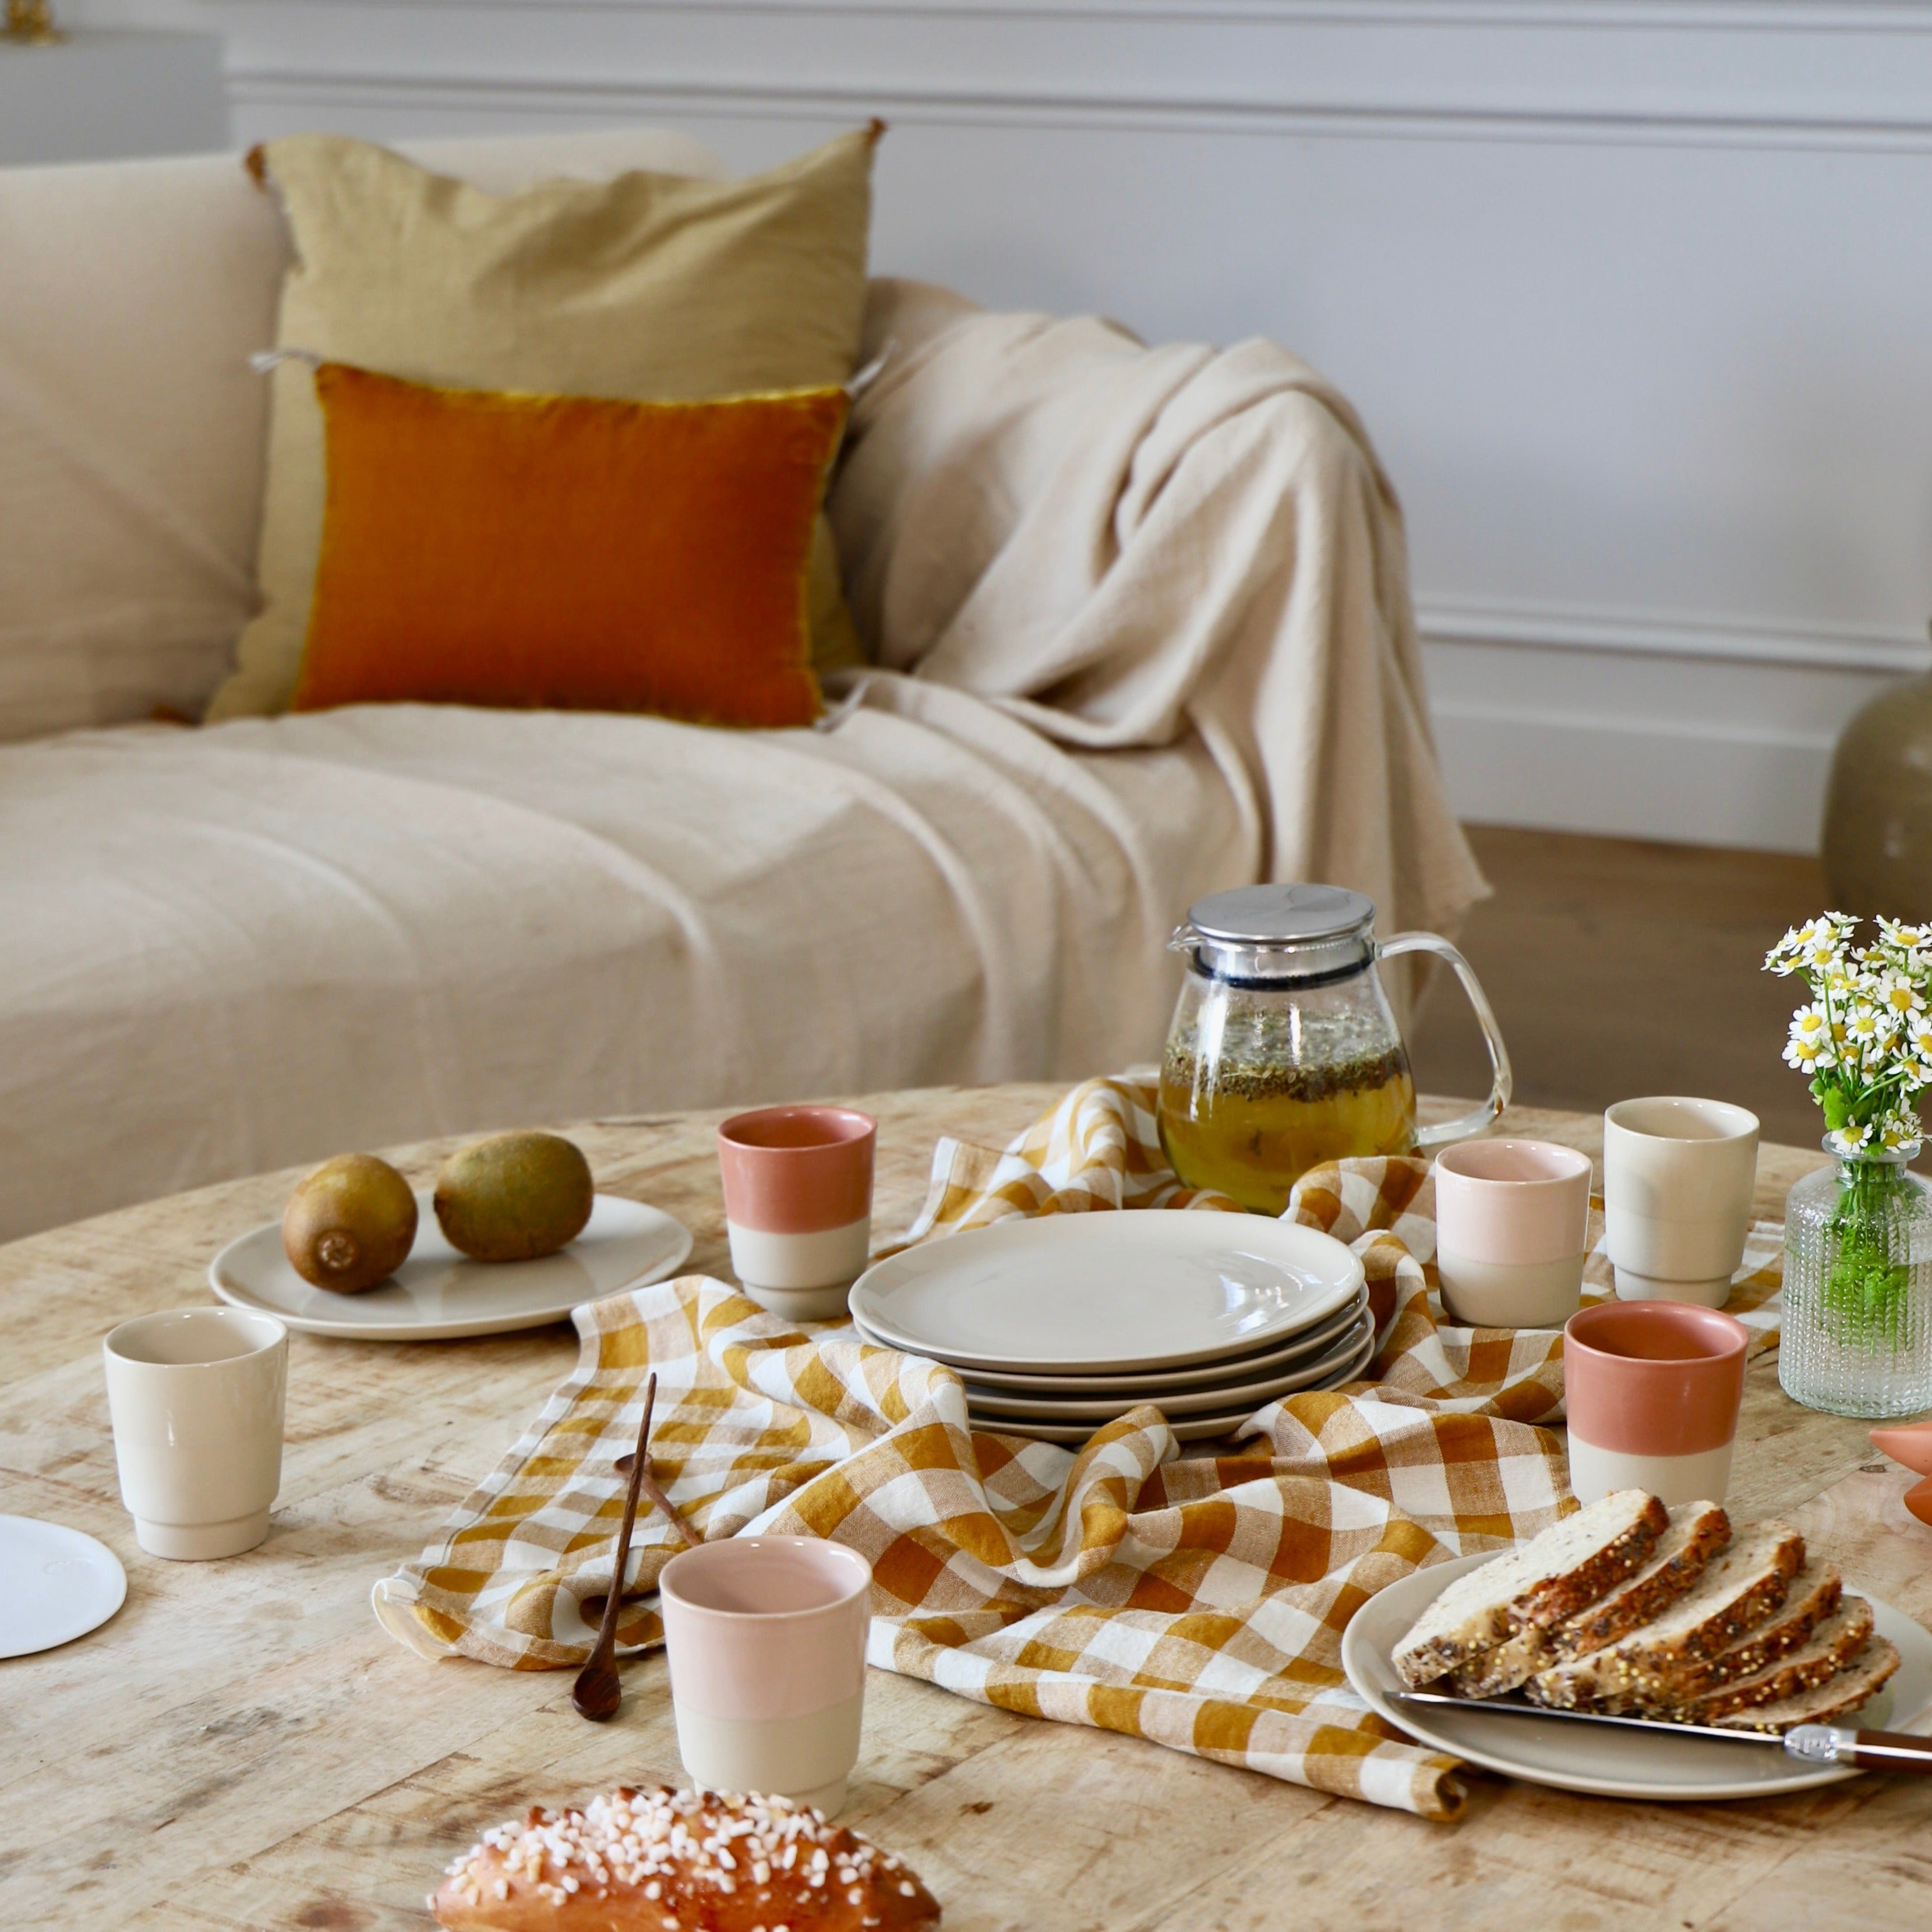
[1695, 1533]
[1502, 1667]
[1735, 1594]
[1698, 1534]
[1857, 1683]
[1839, 1638]
[1813, 1595]
[1551, 1577]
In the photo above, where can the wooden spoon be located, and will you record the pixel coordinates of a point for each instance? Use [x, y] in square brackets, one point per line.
[648, 1483]
[597, 1693]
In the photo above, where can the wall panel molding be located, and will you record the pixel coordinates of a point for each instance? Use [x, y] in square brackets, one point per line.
[1830, 647]
[1612, 72]
[592, 97]
[1782, 16]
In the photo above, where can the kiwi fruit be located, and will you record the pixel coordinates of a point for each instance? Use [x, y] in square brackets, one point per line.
[350, 1224]
[513, 1197]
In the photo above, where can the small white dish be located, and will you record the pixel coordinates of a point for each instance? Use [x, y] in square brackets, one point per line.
[1107, 1292]
[1603, 1760]
[1068, 1404]
[1294, 1353]
[1192, 1428]
[439, 1295]
[56, 1584]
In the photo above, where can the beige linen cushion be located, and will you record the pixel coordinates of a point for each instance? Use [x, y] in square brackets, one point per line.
[649, 286]
[132, 294]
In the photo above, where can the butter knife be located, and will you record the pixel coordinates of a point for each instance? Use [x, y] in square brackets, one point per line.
[1812, 1743]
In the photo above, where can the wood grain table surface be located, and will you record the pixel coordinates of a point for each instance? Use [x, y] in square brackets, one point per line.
[242, 1747]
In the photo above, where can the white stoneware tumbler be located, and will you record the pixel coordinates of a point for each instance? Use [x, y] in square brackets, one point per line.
[1678, 1176]
[197, 1397]
[766, 1638]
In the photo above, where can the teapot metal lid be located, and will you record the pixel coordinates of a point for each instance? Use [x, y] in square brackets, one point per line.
[1281, 915]
[1277, 935]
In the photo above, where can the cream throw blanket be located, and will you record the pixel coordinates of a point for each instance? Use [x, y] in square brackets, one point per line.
[1117, 544]
[1144, 632]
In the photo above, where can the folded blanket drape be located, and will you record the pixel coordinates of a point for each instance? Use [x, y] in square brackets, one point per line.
[1195, 1599]
[1114, 542]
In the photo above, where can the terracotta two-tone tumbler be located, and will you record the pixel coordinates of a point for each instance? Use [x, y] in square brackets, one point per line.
[798, 1205]
[1652, 1390]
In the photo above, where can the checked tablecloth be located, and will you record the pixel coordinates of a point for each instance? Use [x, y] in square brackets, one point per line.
[1195, 1599]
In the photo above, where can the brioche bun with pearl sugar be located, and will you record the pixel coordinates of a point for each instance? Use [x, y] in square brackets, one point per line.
[666, 1860]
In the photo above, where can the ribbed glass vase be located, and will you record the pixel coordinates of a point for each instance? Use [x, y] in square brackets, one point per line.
[1857, 1337]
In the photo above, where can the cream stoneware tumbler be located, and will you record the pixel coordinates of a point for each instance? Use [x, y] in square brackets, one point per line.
[1678, 1176]
[766, 1640]
[197, 1397]
[1652, 1389]
[1512, 1218]
[798, 1205]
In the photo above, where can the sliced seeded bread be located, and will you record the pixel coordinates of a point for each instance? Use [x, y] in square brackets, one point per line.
[1836, 1641]
[1860, 1680]
[1502, 1667]
[1569, 1566]
[1736, 1594]
[1813, 1595]
[1696, 1532]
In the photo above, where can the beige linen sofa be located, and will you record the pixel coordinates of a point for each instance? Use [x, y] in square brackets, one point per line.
[1141, 632]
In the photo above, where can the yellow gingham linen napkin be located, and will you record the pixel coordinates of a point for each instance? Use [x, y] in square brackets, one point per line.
[1195, 1599]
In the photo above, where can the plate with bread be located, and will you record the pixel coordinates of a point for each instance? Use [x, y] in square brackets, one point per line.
[1712, 1636]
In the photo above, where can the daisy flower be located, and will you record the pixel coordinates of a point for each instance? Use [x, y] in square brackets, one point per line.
[1895, 991]
[1865, 1038]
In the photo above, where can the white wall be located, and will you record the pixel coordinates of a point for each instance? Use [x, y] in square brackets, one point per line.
[1635, 294]
[102, 96]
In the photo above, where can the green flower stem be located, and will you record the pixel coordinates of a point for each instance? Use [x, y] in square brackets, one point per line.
[1864, 1294]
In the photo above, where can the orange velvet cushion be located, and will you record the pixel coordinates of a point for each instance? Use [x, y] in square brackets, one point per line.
[567, 552]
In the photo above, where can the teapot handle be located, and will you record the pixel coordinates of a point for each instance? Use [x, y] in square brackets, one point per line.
[1502, 1080]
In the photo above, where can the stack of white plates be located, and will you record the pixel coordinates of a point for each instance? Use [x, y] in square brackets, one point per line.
[1059, 1325]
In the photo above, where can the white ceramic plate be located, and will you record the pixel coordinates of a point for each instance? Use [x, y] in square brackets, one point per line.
[56, 1584]
[1299, 1349]
[1601, 1759]
[439, 1295]
[1107, 1292]
[1070, 1407]
[1186, 1429]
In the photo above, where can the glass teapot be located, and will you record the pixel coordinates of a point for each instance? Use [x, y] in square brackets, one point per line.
[1283, 1052]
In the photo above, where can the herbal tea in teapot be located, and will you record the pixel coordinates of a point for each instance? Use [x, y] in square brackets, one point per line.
[1251, 1123]
[1283, 1052]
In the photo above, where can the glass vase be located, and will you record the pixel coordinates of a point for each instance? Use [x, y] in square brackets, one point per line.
[1857, 1336]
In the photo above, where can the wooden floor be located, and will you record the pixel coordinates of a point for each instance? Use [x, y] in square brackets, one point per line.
[1619, 967]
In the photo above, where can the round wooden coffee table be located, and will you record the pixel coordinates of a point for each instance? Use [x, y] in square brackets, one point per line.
[242, 1747]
